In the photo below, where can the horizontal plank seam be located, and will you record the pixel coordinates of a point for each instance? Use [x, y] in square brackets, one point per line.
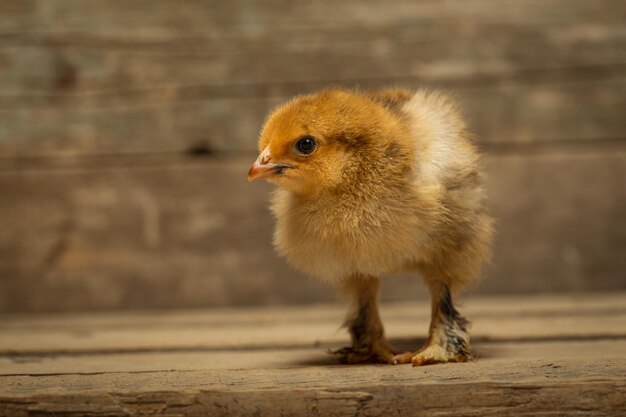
[21, 326]
[530, 384]
[190, 93]
[9, 353]
[350, 33]
[92, 161]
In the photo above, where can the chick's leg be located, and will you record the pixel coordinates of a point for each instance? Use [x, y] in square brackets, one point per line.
[448, 339]
[364, 324]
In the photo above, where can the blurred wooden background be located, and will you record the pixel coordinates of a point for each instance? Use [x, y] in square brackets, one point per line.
[127, 127]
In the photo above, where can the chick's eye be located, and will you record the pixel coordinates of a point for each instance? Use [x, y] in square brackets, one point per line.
[306, 145]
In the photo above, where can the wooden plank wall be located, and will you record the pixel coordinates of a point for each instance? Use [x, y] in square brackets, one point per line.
[126, 129]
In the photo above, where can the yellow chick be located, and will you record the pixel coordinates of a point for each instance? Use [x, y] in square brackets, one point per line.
[376, 183]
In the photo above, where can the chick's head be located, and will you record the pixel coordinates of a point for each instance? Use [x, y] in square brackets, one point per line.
[314, 142]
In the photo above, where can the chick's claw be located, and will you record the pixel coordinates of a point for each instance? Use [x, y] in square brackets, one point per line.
[350, 355]
[357, 355]
[404, 357]
[434, 353]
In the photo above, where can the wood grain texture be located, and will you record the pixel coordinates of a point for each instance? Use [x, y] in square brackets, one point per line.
[103, 103]
[241, 16]
[533, 375]
[517, 113]
[594, 350]
[103, 77]
[504, 320]
[92, 234]
[598, 397]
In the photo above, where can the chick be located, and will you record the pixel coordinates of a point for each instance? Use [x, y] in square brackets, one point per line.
[376, 183]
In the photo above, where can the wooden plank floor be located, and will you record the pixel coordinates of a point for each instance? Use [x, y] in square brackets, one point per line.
[547, 355]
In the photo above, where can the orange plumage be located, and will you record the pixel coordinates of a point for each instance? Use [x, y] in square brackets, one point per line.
[375, 183]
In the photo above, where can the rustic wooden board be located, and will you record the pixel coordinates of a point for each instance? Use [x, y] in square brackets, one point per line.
[545, 318]
[277, 16]
[188, 394]
[490, 354]
[98, 235]
[503, 114]
[569, 305]
[532, 375]
[130, 77]
[457, 50]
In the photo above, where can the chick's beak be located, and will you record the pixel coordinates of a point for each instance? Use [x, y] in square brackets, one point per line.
[262, 167]
[260, 171]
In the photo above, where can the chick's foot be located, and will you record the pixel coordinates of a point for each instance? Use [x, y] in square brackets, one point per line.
[449, 339]
[369, 344]
[445, 347]
[435, 353]
[374, 353]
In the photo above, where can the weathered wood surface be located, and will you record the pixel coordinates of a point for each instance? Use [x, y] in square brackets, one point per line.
[174, 232]
[103, 76]
[100, 100]
[502, 320]
[591, 111]
[542, 370]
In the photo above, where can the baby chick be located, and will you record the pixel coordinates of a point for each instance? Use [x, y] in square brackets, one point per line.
[375, 183]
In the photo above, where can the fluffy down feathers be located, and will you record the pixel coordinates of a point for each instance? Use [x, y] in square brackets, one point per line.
[392, 185]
